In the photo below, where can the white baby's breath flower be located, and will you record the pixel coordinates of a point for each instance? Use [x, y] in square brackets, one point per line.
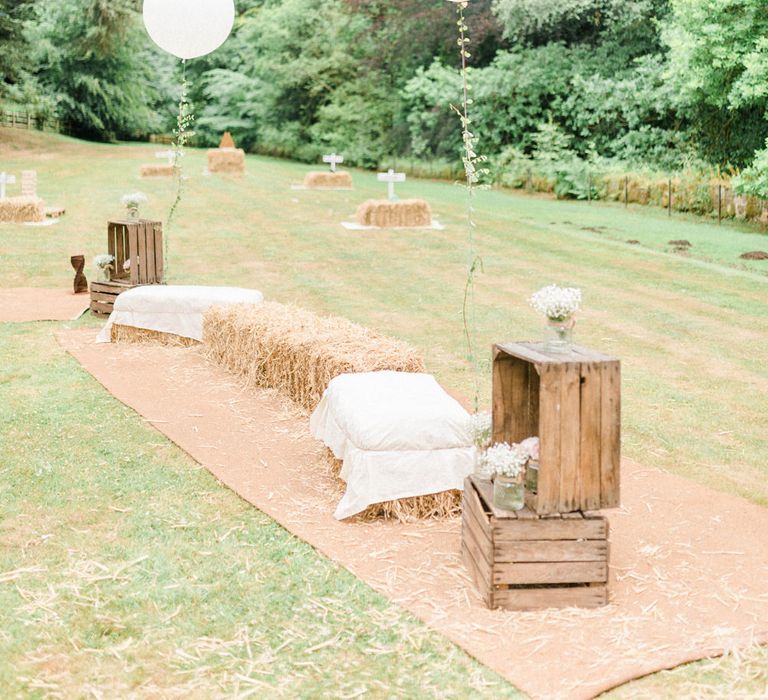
[133, 199]
[506, 460]
[557, 303]
[480, 429]
[103, 260]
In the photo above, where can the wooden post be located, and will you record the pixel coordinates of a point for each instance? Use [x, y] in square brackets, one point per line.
[626, 191]
[669, 198]
[719, 203]
[528, 181]
[589, 188]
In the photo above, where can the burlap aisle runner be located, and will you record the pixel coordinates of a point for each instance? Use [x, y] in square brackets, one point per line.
[41, 304]
[688, 565]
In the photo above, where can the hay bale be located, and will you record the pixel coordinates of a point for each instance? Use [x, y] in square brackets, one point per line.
[129, 334]
[226, 160]
[21, 210]
[434, 506]
[297, 352]
[157, 170]
[326, 179]
[386, 214]
[227, 141]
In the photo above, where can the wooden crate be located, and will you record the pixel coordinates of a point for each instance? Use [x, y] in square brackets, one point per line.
[103, 295]
[140, 242]
[572, 402]
[522, 561]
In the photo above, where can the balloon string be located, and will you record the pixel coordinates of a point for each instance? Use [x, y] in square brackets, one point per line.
[181, 137]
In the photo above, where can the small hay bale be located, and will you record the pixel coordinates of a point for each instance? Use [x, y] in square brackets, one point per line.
[386, 214]
[325, 179]
[226, 160]
[19, 210]
[433, 506]
[157, 170]
[296, 351]
[129, 334]
[227, 141]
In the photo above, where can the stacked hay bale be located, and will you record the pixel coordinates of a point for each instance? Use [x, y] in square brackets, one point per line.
[340, 179]
[297, 352]
[226, 158]
[394, 214]
[157, 170]
[22, 210]
[130, 334]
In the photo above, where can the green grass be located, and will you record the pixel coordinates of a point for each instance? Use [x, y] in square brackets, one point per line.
[690, 330]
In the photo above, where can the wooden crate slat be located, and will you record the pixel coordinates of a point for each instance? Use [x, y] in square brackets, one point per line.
[544, 529]
[610, 430]
[102, 296]
[482, 567]
[133, 247]
[537, 599]
[590, 492]
[570, 439]
[550, 572]
[159, 269]
[482, 585]
[141, 235]
[550, 551]
[149, 238]
[101, 307]
[548, 496]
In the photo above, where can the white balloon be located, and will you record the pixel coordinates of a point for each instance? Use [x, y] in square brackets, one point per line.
[189, 28]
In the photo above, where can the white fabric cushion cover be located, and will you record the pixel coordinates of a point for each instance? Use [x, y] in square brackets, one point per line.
[172, 308]
[399, 435]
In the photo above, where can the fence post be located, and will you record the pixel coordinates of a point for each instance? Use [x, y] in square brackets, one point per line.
[719, 203]
[528, 182]
[589, 187]
[626, 191]
[669, 198]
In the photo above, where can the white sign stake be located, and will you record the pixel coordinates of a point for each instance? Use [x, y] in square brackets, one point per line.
[5, 179]
[391, 177]
[333, 159]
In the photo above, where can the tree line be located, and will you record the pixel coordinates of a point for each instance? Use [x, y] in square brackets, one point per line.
[657, 83]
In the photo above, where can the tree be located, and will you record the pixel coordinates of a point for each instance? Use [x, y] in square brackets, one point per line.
[13, 53]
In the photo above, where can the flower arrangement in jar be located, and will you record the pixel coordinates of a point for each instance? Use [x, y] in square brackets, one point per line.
[559, 305]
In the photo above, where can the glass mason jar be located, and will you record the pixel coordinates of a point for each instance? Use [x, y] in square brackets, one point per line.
[104, 273]
[559, 334]
[532, 476]
[133, 213]
[508, 492]
[480, 469]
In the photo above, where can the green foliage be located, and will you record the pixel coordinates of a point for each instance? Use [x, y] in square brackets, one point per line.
[85, 58]
[753, 181]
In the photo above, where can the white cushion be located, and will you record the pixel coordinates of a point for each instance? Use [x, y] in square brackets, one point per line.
[399, 435]
[174, 309]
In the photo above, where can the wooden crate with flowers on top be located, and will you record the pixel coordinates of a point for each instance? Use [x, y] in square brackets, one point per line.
[137, 249]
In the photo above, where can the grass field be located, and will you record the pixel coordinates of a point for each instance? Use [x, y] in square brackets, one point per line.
[117, 542]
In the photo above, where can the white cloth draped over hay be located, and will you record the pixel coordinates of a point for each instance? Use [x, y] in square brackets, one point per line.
[176, 309]
[398, 434]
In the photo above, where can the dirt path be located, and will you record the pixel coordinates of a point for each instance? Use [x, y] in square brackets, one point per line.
[688, 565]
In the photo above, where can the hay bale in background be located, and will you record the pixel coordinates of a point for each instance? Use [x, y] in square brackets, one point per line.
[226, 160]
[21, 210]
[321, 179]
[157, 170]
[297, 352]
[386, 214]
[434, 506]
[130, 334]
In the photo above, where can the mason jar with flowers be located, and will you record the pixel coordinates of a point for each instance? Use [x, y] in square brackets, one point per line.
[103, 264]
[559, 305]
[507, 463]
[131, 202]
[480, 430]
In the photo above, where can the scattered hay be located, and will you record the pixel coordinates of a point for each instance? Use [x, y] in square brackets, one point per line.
[386, 214]
[318, 179]
[754, 255]
[21, 210]
[157, 170]
[130, 334]
[434, 506]
[297, 352]
[226, 160]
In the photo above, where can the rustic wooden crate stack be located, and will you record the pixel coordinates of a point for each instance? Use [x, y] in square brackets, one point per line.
[141, 244]
[554, 552]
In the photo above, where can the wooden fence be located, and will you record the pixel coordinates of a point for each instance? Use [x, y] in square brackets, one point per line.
[27, 120]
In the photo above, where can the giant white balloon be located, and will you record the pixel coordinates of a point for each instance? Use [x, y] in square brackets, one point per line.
[189, 28]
